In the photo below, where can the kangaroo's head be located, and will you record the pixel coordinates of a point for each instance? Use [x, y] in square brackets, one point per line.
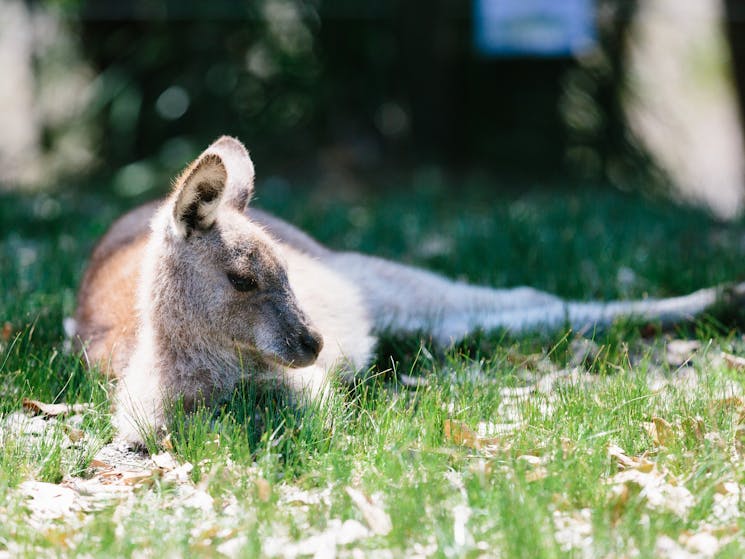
[218, 279]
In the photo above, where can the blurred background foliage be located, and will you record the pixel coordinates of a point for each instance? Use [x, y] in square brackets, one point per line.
[345, 92]
[336, 88]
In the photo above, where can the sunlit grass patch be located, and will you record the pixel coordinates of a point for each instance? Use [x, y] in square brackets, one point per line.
[615, 443]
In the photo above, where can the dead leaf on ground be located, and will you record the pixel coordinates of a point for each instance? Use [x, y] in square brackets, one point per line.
[322, 545]
[292, 495]
[731, 404]
[263, 489]
[660, 431]
[49, 500]
[680, 352]
[377, 519]
[180, 474]
[165, 461]
[695, 426]
[568, 447]
[75, 435]
[128, 477]
[658, 489]
[485, 438]
[53, 410]
[701, 543]
[725, 510]
[6, 332]
[734, 361]
[626, 462]
[536, 470]
[535, 362]
[196, 498]
[573, 530]
[461, 434]
[95, 495]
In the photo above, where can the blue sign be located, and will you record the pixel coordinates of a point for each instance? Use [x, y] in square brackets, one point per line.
[533, 27]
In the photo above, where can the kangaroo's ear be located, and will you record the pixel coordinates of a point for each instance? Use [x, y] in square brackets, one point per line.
[198, 194]
[240, 168]
[224, 173]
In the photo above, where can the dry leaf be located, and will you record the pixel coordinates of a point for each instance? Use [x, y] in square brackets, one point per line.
[320, 546]
[735, 403]
[198, 499]
[6, 332]
[263, 489]
[377, 519]
[233, 547]
[626, 462]
[679, 352]
[568, 447]
[292, 495]
[49, 500]
[484, 438]
[726, 507]
[734, 361]
[165, 461]
[52, 410]
[732, 404]
[660, 431]
[181, 474]
[96, 495]
[126, 477]
[75, 435]
[461, 434]
[658, 489]
[535, 474]
[702, 544]
[727, 488]
[694, 425]
[574, 531]
[536, 470]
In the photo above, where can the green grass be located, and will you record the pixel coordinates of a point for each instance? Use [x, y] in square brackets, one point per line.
[276, 475]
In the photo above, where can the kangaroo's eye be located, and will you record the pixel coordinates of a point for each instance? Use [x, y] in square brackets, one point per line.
[242, 283]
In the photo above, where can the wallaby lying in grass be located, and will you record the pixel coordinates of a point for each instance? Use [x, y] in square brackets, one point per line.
[184, 298]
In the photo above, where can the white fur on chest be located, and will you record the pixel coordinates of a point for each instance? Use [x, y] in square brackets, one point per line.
[336, 307]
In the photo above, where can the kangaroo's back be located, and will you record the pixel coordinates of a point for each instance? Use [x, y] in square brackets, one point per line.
[106, 318]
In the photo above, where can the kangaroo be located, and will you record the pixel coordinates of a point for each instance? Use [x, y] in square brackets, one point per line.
[184, 298]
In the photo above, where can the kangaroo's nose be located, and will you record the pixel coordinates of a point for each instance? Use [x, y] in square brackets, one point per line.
[311, 341]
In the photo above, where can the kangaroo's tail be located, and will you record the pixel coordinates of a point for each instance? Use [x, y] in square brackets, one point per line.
[667, 311]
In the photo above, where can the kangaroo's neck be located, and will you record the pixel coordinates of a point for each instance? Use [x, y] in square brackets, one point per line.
[187, 361]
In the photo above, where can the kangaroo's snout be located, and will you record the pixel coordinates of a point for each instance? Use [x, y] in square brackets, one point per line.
[305, 347]
[311, 341]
